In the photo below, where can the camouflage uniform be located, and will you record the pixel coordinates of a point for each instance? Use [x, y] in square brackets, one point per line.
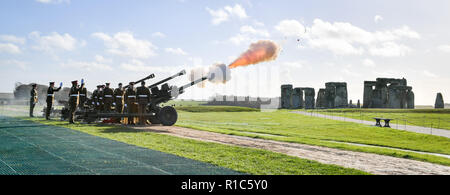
[50, 97]
[108, 99]
[143, 95]
[33, 99]
[73, 99]
[130, 99]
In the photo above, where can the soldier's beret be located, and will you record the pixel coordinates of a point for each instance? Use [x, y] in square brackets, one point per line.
[75, 81]
[52, 83]
[120, 83]
[34, 84]
[131, 83]
[107, 83]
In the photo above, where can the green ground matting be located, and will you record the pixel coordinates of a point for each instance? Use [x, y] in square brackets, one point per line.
[28, 148]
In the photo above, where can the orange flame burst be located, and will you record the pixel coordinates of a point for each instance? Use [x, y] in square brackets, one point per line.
[261, 51]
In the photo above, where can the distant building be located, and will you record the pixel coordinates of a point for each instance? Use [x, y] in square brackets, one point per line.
[244, 101]
[6, 98]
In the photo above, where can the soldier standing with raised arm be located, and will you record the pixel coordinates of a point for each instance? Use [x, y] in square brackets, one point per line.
[73, 99]
[50, 96]
[130, 99]
[33, 98]
[108, 100]
[143, 95]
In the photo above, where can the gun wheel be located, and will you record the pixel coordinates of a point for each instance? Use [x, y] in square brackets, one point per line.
[168, 116]
[154, 120]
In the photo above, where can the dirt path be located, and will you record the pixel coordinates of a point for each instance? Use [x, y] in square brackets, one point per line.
[372, 163]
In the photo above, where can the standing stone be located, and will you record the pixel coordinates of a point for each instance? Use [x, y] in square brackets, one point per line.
[410, 100]
[321, 99]
[358, 104]
[286, 96]
[439, 101]
[297, 98]
[309, 98]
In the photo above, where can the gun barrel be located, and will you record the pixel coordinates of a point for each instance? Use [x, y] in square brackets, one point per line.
[181, 89]
[183, 72]
[144, 79]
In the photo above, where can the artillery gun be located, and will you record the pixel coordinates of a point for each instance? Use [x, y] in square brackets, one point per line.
[166, 115]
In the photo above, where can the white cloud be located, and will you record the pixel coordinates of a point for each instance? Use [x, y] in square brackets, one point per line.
[53, 1]
[346, 39]
[125, 44]
[444, 48]
[88, 66]
[378, 18]
[237, 10]
[138, 66]
[290, 28]
[369, 63]
[390, 49]
[224, 14]
[349, 72]
[55, 41]
[101, 59]
[251, 30]
[248, 34]
[9, 48]
[21, 64]
[429, 74]
[12, 39]
[177, 51]
[159, 34]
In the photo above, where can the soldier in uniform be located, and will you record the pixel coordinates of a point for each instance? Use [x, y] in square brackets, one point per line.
[130, 99]
[118, 98]
[101, 98]
[33, 98]
[73, 99]
[83, 97]
[50, 96]
[143, 95]
[94, 97]
[108, 100]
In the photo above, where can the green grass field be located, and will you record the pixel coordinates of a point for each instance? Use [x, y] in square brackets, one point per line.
[246, 160]
[430, 118]
[285, 126]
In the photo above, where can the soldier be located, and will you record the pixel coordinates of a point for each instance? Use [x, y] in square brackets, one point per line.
[143, 95]
[101, 97]
[118, 98]
[83, 97]
[33, 98]
[50, 96]
[73, 99]
[94, 97]
[130, 99]
[108, 98]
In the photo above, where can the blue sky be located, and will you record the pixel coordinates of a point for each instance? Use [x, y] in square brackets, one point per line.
[120, 41]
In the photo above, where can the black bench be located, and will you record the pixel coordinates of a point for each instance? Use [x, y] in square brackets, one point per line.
[386, 122]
